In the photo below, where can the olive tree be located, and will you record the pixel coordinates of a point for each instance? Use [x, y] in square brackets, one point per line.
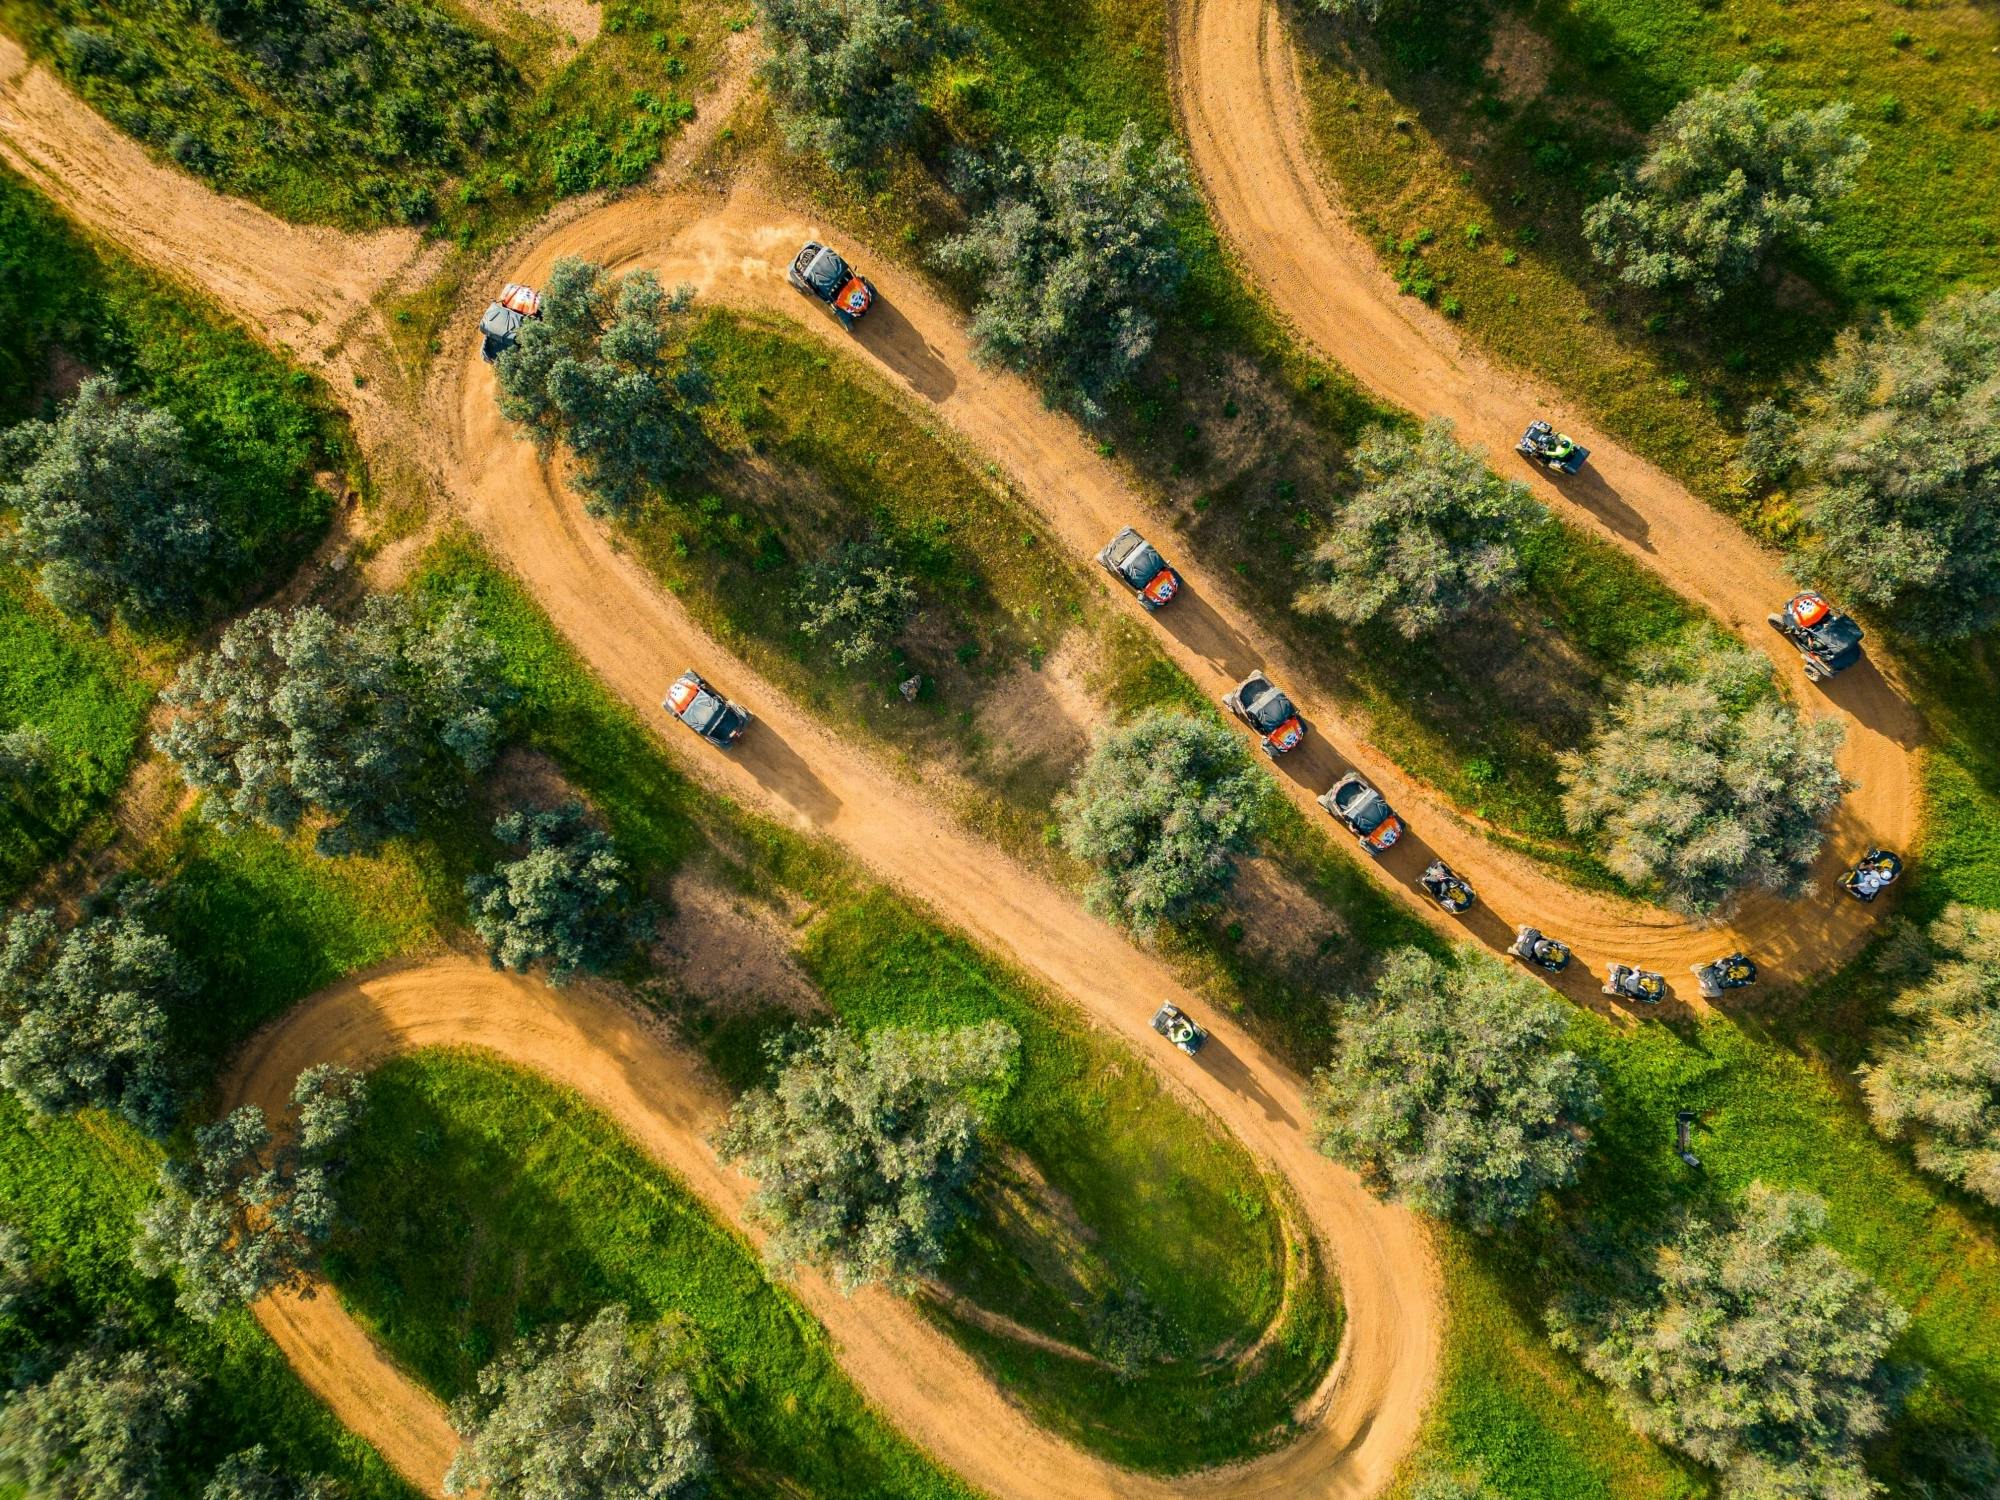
[248, 1213]
[251, 1475]
[96, 1429]
[862, 1148]
[566, 898]
[1898, 449]
[857, 599]
[83, 1011]
[27, 761]
[1701, 781]
[364, 722]
[1723, 179]
[1431, 535]
[606, 372]
[1073, 255]
[1450, 1090]
[17, 1270]
[600, 1412]
[1754, 1349]
[1935, 1079]
[845, 72]
[1161, 807]
[111, 514]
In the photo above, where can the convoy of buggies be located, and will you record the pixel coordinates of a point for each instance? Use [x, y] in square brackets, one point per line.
[1828, 642]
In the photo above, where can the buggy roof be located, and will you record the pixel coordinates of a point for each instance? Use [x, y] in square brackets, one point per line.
[1362, 806]
[1266, 706]
[826, 273]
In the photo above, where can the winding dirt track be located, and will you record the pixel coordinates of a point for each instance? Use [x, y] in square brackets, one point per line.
[1239, 94]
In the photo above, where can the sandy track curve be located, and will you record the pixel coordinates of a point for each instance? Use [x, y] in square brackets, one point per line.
[1238, 92]
[654, 1090]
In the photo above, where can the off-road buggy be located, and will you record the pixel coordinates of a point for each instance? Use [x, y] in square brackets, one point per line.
[820, 273]
[500, 327]
[1134, 562]
[1366, 813]
[705, 711]
[1829, 642]
[1258, 702]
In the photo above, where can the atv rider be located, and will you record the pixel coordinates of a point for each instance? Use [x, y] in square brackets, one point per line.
[1558, 448]
[1866, 880]
[1447, 888]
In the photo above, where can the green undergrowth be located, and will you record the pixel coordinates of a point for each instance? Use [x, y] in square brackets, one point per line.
[264, 431]
[1014, 647]
[68, 684]
[1469, 138]
[486, 1203]
[71, 1187]
[361, 113]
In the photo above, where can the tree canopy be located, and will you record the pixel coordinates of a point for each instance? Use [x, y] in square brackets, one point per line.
[251, 1475]
[845, 72]
[1450, 1090]
[363, 722]
[1430, 536]
[1721, 182]
[1162, 806]
[247, 1213]
[1899, 460]
[1755, 1350]
[607, 372]
[600, 1412]
[862, 1147]
[1073, 254]
[112, 515]
[566, 898]
[1935, 1078]
[857, 599]
[83, 1011]
[1702, 782]
[96, 1429]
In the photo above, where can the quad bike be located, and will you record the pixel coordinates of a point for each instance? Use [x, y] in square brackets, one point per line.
[1542, 444]
[1367, 815]
[1262, 704]
[1173, 1023]
[1628, 982]
[1730, 973]
[1829, 642]
[1136, 563]
[1447, 888]
[1878, 868]
[819, 272]
[1543, 952]
[501, 324]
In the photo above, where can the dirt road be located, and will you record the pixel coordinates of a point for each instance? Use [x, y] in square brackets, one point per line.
[927, 1387]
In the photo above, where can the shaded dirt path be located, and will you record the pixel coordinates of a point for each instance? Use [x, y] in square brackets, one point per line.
[1237, 87]
[586, 1040]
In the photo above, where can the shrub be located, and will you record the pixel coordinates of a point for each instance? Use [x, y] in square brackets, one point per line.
[606, 371]
[1448, 1090]
[365, 723]
[84, 1011]
[862, 1149]
[567, 898]
[1936, 1080]
[845, 72]
[1160, 808]
[1721, 182]
[96, 1429]
[1701, 782]
[1900, 450]
[1756, 1350]
[250, 1475]
[1073, 253]
[246, 1214]
[111, 514]
[601, 1412]
[857, 599]
[1430, 536]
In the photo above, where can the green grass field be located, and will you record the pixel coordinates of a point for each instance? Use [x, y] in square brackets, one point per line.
[487, 1203]
[1509, 116]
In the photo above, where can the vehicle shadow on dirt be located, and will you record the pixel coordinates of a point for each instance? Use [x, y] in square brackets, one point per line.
[896, 342]
[786, 775]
